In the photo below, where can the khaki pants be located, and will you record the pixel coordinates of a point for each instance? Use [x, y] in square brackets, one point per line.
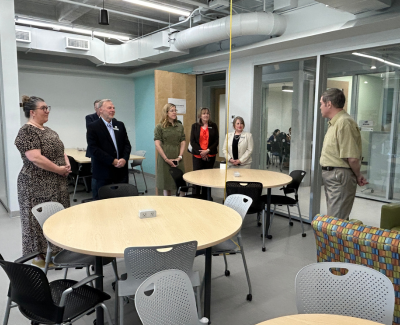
[340, 190]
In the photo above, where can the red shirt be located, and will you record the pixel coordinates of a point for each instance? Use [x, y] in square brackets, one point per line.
[203, 141]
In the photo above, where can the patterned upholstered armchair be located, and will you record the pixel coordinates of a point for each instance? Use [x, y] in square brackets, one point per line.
[344, 241]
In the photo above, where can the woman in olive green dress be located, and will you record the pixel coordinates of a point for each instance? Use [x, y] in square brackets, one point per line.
[169, 138]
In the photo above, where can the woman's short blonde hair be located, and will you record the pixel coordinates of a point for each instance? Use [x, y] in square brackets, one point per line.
[240, 119]
[164, 117]
[201, 110]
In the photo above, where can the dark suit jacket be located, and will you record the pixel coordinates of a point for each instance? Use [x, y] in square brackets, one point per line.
[213, 139]
[90, 119]
[103, 150]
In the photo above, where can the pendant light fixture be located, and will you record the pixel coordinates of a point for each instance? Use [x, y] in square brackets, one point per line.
[103, 18]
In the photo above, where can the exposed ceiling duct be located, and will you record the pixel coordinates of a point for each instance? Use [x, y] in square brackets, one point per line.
[357, 6]
[152, 48]
[255, 23]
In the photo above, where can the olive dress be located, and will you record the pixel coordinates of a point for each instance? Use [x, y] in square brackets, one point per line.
[36, 185]
[170, 138]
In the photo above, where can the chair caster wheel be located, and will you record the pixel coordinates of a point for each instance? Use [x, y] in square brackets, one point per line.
[75, 200]
[227, 273]
[290, 223]
[269, 236]
[249, 297]
[258, 224]
[303, 235]
[145, 191]
[94, 322]
[263, 249]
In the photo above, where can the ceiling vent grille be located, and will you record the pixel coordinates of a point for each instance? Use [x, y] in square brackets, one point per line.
[78, 44]
[23, 36]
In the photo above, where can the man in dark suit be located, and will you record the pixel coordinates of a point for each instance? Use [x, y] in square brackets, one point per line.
[92, 118]
[110, 148]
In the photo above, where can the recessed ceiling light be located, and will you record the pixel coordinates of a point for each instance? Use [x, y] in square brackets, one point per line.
[373, 67]
[160, 7]
[365, 82]
[287, 89]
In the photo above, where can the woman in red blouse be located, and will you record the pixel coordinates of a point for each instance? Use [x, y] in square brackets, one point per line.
[204, 139]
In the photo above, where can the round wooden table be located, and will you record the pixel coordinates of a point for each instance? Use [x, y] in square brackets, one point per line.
[107, 227]
[216, 178]
[317, 319]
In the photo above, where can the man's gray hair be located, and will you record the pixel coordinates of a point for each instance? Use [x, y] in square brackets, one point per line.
[102, 102]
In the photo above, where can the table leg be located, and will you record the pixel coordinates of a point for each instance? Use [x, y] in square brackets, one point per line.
[267, 224]
[208, 193]
[98, 268]
[207, 284]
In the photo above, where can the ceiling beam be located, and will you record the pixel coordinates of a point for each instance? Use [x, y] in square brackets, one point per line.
[194, 3]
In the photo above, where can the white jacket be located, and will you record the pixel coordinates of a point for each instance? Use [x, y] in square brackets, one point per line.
[245, 148]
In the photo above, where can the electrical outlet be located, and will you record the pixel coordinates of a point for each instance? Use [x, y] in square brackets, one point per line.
[149, 213]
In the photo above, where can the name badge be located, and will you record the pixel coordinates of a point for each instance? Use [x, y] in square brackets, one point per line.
[210, 127]
[115, 128]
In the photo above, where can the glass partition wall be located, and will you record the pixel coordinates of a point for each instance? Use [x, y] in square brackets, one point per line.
[370, 79]
[287, 106]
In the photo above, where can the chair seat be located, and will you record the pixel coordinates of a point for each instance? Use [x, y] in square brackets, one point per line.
[129, 287]
[80, 300]
[280, 200]
[224, 247]
[66, 257]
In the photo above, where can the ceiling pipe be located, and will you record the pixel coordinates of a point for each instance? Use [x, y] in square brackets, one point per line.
[114, 11]
[255, 23]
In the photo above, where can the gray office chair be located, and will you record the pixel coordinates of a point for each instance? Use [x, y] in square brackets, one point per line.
[117, 190]
[171, 302]
[143, 262]
[64, 259]
[362, 292]
[138, 162]
[241, 204]
[82, 171]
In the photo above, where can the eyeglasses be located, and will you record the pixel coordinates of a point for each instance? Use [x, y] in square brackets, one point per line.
[173, 111]
[45, 108]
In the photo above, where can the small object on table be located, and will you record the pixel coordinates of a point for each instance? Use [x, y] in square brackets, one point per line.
[236, 174]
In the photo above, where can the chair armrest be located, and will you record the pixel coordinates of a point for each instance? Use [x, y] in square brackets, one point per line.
[27, 257]
[76, 286]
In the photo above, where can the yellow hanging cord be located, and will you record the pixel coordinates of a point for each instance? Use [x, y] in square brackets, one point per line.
[229, 96]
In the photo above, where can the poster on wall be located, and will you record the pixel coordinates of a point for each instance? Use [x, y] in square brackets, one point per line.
[179, 103]
[180, 118]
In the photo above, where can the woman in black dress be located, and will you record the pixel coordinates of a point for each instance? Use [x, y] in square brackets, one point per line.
[43, 174]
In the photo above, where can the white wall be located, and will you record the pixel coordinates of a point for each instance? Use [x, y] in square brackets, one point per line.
[71, 98]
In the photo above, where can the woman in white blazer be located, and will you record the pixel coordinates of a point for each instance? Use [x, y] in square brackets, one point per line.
[240, 146]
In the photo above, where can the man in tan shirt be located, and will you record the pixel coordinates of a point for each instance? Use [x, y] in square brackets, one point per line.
[341, 155]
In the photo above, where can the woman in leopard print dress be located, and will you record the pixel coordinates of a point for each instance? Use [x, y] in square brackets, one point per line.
[43, 175]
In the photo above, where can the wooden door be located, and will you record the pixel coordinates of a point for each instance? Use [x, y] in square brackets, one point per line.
[180, 86]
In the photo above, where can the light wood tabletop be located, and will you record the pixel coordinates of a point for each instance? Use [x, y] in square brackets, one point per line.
[80, 155]
[107, 227]
[317, 319]
[216, 177]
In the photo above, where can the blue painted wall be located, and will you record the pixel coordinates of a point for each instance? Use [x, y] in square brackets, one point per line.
[145, 116]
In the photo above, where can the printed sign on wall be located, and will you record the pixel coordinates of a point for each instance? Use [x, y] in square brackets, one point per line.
[179, 103]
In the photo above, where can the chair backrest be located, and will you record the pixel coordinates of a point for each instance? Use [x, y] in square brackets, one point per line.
[142, 262]
[74, 165]
[276, 146]
[240, 203]
[251, 189]
[171, 302]
[293, 186]
[362, 292]
[138, 162]
[117, 190]
[177, 175]
[30, 289]
[43, 211]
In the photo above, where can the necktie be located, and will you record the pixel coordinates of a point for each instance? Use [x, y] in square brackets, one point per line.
[111, 130]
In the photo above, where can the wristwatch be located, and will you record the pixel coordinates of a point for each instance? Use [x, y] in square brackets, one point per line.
[180, 157]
